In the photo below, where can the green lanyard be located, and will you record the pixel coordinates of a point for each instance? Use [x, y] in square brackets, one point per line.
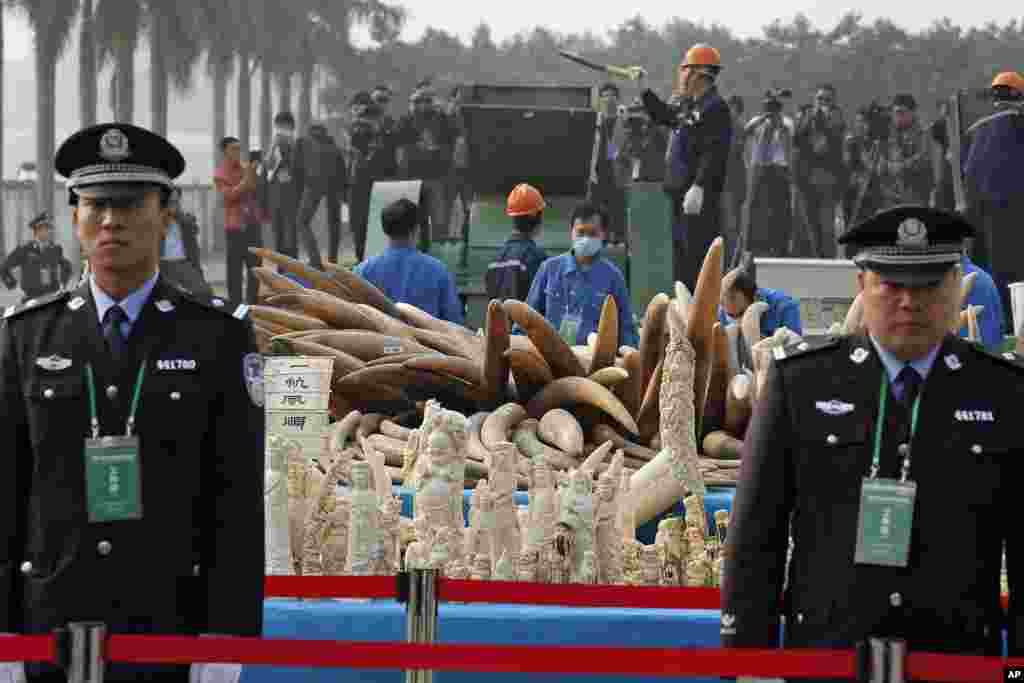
[876, 458]
[93, 418]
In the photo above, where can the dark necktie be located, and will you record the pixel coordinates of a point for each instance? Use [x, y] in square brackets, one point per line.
[911, 382]
[112, 321]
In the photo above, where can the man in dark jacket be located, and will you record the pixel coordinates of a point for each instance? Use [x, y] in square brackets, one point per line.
[284, 182]
[698, 158]
[44, 268]
[371, 157]
[819, 169]
[326, 176]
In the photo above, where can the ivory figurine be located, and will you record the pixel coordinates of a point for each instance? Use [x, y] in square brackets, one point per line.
[478, 535]
[542, 508]
[410, 458]
[303, 485]
[504, 474]
[576, 518]
[696, 517]
[482, 567]
[445, 548]
[627, 515]
[631, 549]
[505, 567]
[458, 570]
[588, 568]
[363, 539]
[558, 554]
[390, 511]
[650, 566]
[527, 566]
[433, 498]
[275, 494]
[418, 553]
[698, 568]
[608, 533]
[325, 546]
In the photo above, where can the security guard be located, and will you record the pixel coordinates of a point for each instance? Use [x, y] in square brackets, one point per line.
[131, 483]
[697, 159]
[893, 459]
[44, 269]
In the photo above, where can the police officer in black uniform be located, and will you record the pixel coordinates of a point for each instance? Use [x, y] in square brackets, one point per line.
[894, 459]
[44, 269]
[158, 530]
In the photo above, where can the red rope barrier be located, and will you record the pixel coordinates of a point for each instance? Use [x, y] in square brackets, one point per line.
[26, 649]
[579, 595]
[330, 587]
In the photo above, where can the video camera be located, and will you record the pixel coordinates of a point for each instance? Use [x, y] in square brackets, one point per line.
[772, 102]
[879, 120]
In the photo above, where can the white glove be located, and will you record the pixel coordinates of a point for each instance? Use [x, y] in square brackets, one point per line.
[693, 202]
[12, 672]
[213, 673]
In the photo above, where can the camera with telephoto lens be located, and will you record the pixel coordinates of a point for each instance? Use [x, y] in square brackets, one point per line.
[879, 121]
[772, 102]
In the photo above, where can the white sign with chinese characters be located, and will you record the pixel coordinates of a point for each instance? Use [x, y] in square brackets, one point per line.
[298, 392]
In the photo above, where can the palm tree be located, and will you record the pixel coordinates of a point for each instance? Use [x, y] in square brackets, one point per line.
[87, 92]
[174, 50]
[119, 23]
[51, 22]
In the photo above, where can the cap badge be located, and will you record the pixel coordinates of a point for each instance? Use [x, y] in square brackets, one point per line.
[114, 146]
[859, 355]
[912, 233]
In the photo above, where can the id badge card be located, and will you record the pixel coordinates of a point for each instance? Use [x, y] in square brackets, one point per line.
[569, 328]
[113, 479]
[884, 522]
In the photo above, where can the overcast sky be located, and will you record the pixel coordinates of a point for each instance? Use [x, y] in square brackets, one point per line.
[744, 17]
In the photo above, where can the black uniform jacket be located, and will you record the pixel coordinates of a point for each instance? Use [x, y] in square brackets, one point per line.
[807, 449]
[44, 269]
[195, 562]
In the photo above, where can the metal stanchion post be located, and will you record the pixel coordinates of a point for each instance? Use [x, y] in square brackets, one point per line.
[429, 614]
[86, 663]
[897, 661]
[412, 618]
[878, 652]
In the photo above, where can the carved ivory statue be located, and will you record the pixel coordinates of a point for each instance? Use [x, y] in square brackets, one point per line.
[650, 566]
[631, 549]
[418, 553]
[433, 499]
[504, 474]
[627, 515]
[698, 568]
[363, 541]
[505, 567]
[276, 503]
[478, 534]
[673, 548]
[446, 548]
[482, 567]
[390, 531]
[608, 533]
[303, 487]
[325, 547]
[576, 513]
[527, 569]
[588, 568]
[542, 508]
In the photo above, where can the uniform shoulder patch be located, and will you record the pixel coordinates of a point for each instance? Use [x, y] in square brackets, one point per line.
[217, 303]
[35, 304]
[1010, 358]
[804, 348]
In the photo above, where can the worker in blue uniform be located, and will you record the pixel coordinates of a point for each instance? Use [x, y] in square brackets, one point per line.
[991, 322]
[570, 289]
[739, 290]
[698, 155]
[407, 275]
[993, 168]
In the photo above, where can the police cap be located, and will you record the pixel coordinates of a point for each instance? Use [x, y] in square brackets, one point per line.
[909, 245]
[117, 160]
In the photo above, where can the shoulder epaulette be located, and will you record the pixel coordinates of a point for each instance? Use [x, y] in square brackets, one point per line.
[1014, 360]
[33, 304]
[803, 348]
[216, 303]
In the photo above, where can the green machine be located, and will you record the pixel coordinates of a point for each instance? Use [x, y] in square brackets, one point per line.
[542, 135]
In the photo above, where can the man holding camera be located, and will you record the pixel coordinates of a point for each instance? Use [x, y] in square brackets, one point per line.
[820, 177]
[698, 156]
[371, 157]
[767, 213]
[609, 174]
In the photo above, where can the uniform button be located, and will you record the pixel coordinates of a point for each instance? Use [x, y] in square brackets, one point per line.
[48, 393]
[895, 599]
[903, 449]
[832, 439]
[26, 567]
[976, 449]
[799, 617]
[175, 395]
[195, 570]
[111, 392]
[104, 548]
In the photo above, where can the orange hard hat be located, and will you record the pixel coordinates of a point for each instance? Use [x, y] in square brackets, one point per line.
[524, 200]
[702, 55]
[1009, 79]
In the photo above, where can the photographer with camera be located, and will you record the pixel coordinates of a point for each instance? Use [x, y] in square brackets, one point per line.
[371, 157]
[767, 213]
[821, 175]
[697, 159]
[644, 146]
[609, 170]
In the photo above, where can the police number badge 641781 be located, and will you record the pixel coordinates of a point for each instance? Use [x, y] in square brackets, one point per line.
[252, 371]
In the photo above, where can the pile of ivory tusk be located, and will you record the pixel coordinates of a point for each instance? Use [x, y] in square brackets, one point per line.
[571, 405]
